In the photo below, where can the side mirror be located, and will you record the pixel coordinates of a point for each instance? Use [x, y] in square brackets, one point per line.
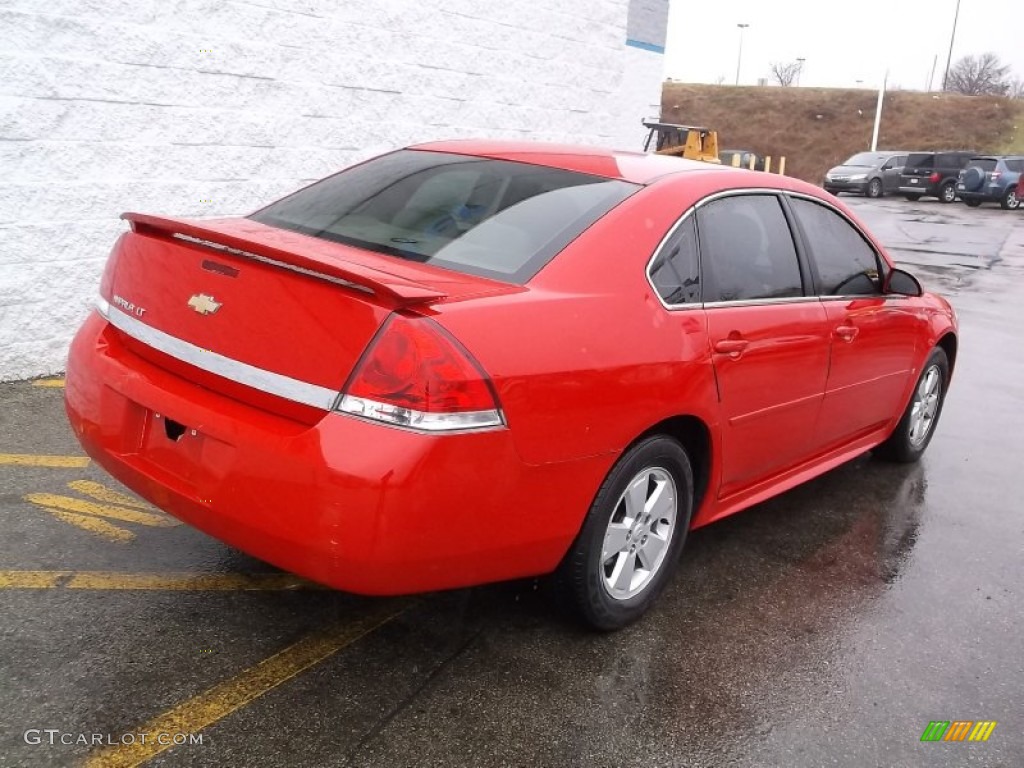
[903, 283]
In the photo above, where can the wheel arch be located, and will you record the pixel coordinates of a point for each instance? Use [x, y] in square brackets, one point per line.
[949, 343]
[695, 436]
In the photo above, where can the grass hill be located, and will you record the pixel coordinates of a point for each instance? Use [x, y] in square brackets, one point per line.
[817, 128]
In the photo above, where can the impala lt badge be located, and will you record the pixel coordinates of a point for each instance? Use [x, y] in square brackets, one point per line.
[203, 304]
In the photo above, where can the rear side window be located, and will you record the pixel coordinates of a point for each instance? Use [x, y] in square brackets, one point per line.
[1016, 165]
[675, 271]
[486, 217]
[747, 250]
[847, 264]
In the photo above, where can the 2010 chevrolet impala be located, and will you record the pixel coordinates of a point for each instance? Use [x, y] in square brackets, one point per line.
[474, 361]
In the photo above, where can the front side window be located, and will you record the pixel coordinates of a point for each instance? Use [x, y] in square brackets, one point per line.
[747, 250]
[675, 271]
[847, 264]
[486, 217]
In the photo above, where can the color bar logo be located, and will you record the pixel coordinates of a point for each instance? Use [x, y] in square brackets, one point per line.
[958, 730]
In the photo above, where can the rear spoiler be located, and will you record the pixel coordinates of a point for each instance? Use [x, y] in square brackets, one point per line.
[313, 263]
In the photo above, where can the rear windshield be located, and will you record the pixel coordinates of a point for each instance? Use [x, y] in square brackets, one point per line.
[486, 217]
[951, 160]
[985, 163]
[918, 160]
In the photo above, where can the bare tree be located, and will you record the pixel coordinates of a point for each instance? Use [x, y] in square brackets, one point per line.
[983, 75]
[785, 74]
[1016, 90]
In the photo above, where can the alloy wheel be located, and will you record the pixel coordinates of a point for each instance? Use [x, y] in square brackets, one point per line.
[926, 405]
[639, 533]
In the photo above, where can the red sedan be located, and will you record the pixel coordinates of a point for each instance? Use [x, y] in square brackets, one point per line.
[466, 362]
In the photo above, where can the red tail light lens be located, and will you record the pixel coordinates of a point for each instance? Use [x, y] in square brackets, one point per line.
[415, 375]
[935, 177]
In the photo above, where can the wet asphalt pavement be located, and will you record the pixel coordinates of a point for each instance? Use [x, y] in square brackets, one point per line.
[826, 627]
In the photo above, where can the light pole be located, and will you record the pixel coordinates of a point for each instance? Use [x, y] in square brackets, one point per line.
[952, 38]
[739, 58]
[800, 69]
[878, 112]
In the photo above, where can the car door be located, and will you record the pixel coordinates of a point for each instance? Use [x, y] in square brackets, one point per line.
[873, 336]
[891, 172]
[769, 340]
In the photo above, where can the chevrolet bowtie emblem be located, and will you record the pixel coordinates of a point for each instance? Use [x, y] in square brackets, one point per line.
[203, 304]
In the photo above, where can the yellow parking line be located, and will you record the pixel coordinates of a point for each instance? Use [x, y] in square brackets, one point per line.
[184, 582]
[91, 523]
[32, 460]
[31, 579]
[107, 496]
[224, 698]
[51, 500]
[48, 382]
[199, 582]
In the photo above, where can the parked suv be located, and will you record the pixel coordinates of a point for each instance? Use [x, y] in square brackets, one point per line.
[991, 180]
[933, 174]
[868, 173]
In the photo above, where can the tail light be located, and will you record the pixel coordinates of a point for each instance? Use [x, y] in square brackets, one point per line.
[996, 175]
[935, 177]
[414, 374]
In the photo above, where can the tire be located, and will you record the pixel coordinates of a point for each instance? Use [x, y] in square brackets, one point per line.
[904, 445]
[874, 188]
[972, 203]
[600, 578]
[1009, 201]
[947, 192]
[913, 198]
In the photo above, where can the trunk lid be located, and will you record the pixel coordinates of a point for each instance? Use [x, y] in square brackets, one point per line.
[268, 316]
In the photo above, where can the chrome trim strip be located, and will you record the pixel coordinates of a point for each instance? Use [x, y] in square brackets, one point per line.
[756, 302]
[762, 302]
[211, 362]
[272, 262]
[418, 421]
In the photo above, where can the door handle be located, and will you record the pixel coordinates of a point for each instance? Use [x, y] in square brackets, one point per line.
[731, 347]
[847, 332]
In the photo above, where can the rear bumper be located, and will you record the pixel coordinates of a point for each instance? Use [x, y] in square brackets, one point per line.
[986, 195]
[924, 190]
[352, 504]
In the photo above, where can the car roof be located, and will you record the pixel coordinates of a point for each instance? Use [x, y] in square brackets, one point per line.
[635, 167]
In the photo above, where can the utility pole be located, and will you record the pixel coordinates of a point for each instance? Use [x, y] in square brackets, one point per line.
[800, 70]
[739, 58]
[952, 38]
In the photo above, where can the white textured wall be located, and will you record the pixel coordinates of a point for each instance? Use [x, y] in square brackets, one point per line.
[193, 108]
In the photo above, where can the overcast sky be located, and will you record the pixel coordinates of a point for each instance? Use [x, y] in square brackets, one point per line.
[842, 42]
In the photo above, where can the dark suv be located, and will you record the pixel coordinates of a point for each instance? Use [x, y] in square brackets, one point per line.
[991, 180]
[933, 174]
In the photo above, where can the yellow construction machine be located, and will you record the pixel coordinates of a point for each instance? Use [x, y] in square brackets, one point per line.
[681, 140]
